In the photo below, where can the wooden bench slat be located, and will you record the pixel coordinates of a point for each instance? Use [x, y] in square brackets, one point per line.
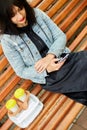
[9, 87]
[72, 15]
[3, 63]
[37, 89]
[78, 39]
[59, 115]
[52, 111]
[34, 3]
[7, 124]
[77, 24]
[3, 111]
[45, 95]
[6, 75]
[56, 7]
[26, 84]
[70, 116]
[1, 52]
[83, 46]
[44, 4]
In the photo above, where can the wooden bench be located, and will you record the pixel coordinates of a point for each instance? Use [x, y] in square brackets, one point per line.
[59, 111]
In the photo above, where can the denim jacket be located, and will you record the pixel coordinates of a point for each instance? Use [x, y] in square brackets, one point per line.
[22, 53]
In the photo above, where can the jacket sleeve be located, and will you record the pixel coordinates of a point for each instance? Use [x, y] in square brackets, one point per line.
[59, 37]
[17, 63]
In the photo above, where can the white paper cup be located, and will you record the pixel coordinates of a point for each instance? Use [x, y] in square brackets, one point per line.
[20, 94]
[22, 98]
[12, 105]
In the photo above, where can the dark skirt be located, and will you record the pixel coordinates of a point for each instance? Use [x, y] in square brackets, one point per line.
[71, 78]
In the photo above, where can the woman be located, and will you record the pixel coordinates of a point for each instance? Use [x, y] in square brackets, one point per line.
[34, 46]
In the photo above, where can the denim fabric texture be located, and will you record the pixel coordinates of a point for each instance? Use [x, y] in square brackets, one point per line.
[22, 53]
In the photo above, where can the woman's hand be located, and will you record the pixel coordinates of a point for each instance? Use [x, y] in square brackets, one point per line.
[54, 66]
[42, 64]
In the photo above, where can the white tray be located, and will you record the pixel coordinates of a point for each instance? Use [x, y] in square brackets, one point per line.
[25, 117]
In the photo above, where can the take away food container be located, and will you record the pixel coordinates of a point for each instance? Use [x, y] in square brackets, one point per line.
[25, 117]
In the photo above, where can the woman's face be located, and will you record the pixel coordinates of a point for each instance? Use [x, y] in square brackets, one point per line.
[19, 17]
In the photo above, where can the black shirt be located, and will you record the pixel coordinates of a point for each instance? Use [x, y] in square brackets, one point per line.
[39, 43]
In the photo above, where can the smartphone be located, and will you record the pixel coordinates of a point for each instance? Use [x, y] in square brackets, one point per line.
[63, 58]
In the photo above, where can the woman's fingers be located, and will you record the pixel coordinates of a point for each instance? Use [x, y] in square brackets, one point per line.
[42, 65]
[40, 68]
[55, 65]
